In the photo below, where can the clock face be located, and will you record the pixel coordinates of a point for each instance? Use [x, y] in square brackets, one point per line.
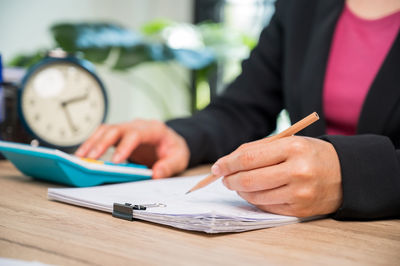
[63, 104]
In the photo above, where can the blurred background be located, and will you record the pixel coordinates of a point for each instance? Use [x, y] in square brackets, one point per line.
[158, 59]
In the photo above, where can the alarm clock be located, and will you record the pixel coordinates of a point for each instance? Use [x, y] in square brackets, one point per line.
[61, 101]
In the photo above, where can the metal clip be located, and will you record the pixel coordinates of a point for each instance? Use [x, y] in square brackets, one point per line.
[125, 211]
[152, 205]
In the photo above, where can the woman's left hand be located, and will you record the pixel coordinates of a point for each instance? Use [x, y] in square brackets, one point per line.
[297, 176]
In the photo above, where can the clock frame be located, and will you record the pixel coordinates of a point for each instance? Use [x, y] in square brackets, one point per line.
[56, 98]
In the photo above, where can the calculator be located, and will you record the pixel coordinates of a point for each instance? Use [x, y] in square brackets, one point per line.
[56, 166]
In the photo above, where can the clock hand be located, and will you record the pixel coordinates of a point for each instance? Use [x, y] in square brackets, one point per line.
[69, 120]
[76, 99]
[66, 112]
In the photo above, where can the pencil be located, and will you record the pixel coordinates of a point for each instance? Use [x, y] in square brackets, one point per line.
[303, 123]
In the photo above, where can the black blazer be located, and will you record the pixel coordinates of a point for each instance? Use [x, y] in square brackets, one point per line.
[287, 70]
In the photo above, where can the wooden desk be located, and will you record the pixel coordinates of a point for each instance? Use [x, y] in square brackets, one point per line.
[34, 228]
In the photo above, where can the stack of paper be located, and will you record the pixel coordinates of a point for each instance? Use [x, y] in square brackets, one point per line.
[213, 209]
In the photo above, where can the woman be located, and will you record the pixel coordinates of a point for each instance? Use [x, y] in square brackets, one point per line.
[339, 58]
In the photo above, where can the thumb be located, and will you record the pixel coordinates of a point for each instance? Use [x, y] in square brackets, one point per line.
[169, 165]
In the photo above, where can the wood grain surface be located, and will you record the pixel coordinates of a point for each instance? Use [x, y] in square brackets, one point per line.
[34, 228]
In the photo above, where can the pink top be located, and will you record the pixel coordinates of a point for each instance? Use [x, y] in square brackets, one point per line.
[358, 50]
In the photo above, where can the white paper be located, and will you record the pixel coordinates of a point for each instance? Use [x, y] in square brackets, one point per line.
[212, 209]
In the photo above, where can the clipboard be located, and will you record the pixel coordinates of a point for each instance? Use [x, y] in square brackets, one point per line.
[56, 166]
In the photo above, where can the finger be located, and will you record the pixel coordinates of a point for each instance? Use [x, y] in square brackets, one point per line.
[168, 165]
[251, 156]
[149, 131]
[108, 139]
[280, 195]
[135, 134]
[126, 146]
[86, 147]
[265, 178]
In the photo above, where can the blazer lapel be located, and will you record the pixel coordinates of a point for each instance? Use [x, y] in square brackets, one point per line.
[315, 62]
[383, 95]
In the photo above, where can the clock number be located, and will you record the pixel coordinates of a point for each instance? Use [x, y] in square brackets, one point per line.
[62, 132]
[36, 117]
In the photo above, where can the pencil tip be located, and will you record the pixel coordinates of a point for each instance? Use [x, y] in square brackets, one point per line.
[188, 192]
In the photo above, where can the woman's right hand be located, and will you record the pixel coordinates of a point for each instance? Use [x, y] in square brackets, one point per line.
[145, 142]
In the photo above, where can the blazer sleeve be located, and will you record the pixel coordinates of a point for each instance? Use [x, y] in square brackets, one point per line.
[247, 109]
[370, 168]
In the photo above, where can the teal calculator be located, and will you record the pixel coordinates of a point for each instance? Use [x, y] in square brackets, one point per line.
[57, 166]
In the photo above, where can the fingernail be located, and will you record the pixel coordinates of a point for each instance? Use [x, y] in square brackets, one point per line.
[116, 158]
[159, 173]
[223, 181]
[216, 170]
[92, 154]
[78, 152]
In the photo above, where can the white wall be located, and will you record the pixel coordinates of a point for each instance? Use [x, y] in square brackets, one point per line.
[24, 24]
[24, 27]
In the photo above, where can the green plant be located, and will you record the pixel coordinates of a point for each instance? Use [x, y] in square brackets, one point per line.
[196, 47]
